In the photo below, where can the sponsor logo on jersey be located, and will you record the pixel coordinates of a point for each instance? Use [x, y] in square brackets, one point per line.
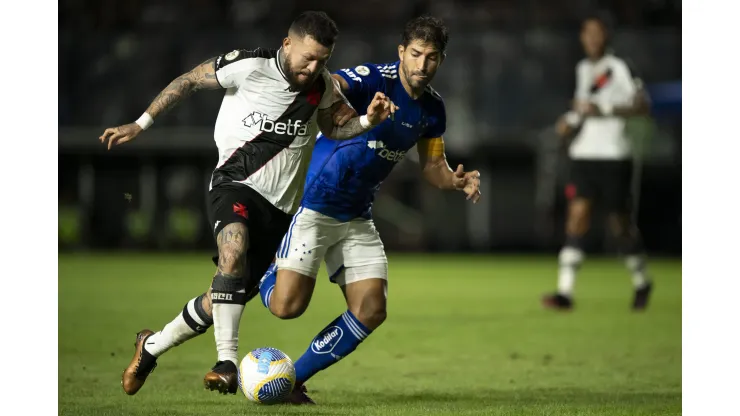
[268, 125]
[384, 153]
[327, 340]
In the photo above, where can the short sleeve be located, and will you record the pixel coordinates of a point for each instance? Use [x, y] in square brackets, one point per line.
[233, 68]
[364, 81]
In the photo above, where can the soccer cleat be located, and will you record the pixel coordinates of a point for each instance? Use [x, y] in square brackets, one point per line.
[222, 377]
[299, 396]
[557, 301]
[642, 296]
[141, 365]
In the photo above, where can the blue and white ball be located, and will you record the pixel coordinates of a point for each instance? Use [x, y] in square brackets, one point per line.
[266, 375]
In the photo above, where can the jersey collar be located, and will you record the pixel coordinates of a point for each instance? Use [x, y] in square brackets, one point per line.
[278, 60]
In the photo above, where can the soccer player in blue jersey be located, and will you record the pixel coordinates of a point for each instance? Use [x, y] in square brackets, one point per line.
[334, 222]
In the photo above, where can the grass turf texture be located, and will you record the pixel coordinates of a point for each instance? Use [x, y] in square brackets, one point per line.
[464, 336]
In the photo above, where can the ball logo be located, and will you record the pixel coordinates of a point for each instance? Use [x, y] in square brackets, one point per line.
[326, 341]
[263, 362]
[232, 55]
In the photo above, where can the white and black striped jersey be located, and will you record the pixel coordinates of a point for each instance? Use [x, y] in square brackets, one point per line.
[265, 131]
[608, 81]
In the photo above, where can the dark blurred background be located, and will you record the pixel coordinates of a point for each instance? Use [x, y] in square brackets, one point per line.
[509, 73]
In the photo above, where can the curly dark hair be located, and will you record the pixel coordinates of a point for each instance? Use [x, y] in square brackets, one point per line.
[427, 29]
[318, 25]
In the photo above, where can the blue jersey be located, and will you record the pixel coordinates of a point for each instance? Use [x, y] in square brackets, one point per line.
[343, 176]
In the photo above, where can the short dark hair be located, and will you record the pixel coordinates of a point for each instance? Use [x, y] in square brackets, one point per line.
[427, 29]
[318, 25]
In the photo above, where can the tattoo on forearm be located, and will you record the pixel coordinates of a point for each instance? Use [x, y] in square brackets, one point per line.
[351, 129]
[202, 76]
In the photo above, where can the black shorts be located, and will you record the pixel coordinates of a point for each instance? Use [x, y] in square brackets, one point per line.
[607, 183]
[266, 224]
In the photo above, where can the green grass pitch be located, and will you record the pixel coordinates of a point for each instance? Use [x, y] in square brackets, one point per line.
[465, 335]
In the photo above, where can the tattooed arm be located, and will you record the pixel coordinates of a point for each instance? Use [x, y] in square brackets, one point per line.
[380, 108]
[202, 77]
[325, 120]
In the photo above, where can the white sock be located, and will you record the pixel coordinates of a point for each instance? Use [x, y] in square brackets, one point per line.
[637, 265]
[569, 260]
[226, 318]
[179, 330]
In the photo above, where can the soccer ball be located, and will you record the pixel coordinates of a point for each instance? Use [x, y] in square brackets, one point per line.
[266, 375]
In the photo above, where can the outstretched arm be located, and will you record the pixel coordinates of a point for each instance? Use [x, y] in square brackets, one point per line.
[202, 77]
[437, 172]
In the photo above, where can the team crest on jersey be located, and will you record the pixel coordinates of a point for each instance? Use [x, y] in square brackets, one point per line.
[362, 70]
[232, 55]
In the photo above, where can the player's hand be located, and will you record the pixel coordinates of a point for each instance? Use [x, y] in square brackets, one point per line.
[468, 182]
[121, 134]
[562, 128]
[341, 113]
[380, 108]
[588, 109]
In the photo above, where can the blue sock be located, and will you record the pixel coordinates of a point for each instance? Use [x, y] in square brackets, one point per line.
[267, 284]
[333, 343]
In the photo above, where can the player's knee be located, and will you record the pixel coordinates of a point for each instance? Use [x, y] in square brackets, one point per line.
[287, 308]
[232, 260]
[621, 226]
[232, 249]
[371, 312]
[372, 317]
[292, 294]
[578, 217]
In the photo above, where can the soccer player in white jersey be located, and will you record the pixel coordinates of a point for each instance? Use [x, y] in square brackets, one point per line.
[607, 93]
[274, 104]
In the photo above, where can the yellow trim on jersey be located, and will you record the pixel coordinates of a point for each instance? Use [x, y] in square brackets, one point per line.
[432, 146]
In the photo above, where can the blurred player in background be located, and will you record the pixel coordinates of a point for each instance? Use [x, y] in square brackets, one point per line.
[334, 223]
[607, 93]
[266, 128]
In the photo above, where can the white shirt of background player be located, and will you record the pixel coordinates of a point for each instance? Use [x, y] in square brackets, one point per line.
[606, 94]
